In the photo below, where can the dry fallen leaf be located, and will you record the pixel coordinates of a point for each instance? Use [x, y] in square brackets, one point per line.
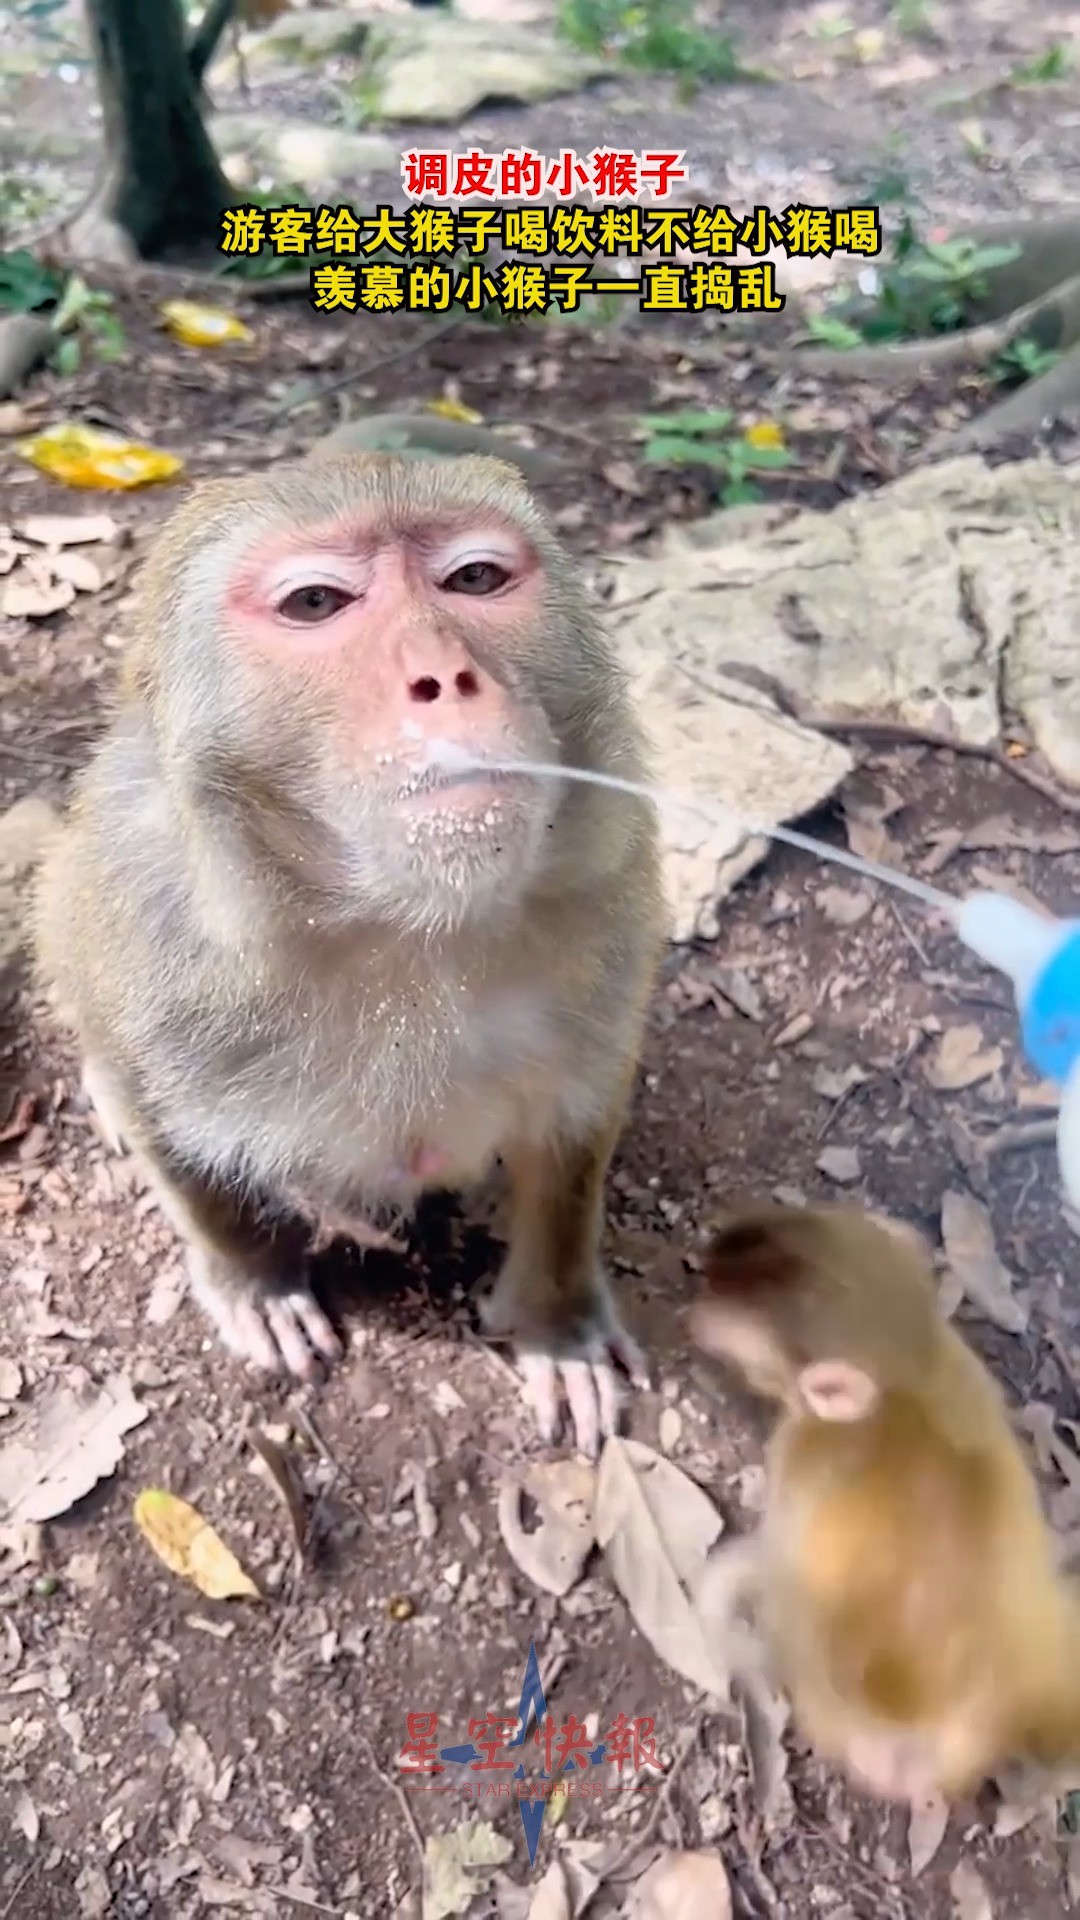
[26, 1819]
[32, 595]
[655, 1528]
[841, 906]
[71, 1441]
[841, 1164]
[968, 1237]
[970, 1898]
[78, 570]
[960, 1060]
[454, 1866]
[927, 1822]
[279, 1470]
[554, 1552]
[189, 1546]
[551, 1901]
[69, 529]
[682, 1886]
[867, 831]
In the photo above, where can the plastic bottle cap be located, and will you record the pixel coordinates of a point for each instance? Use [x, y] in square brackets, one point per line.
[1050, 1014]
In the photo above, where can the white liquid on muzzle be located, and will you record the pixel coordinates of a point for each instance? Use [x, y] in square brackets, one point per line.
[447, 757]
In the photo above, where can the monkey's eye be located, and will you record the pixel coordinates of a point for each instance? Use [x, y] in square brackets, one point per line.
[307, 606]
[477, 577]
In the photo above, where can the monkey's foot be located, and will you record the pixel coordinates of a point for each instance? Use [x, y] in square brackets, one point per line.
[589, 1385]
[275, 1332]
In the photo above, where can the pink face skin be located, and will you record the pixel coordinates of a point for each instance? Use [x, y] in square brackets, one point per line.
[393, 629]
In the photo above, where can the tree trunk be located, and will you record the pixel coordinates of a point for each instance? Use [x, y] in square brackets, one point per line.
[166, 189]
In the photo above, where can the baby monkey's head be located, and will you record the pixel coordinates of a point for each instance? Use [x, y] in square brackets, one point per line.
[821, 1308]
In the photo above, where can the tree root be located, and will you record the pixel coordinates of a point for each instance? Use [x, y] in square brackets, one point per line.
[1051, 320]
[1023, 412]
[24, 342]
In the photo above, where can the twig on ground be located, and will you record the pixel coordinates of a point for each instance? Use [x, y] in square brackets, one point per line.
[1018, 1135]
[661, 1806]
[890, 732]
[910, 936]
[302, 1900]
[393, 1786]
[417, 346]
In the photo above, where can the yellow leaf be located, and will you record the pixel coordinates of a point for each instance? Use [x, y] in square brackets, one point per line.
[189, 1546]
[90, 457]
[558, 1801]
[764, 433]
[869, 44]
[454, 410]
[197, 326]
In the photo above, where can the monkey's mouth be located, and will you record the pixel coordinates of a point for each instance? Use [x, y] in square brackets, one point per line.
[471, 788]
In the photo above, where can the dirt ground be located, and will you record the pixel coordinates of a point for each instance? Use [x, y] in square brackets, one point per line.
[168, 1756]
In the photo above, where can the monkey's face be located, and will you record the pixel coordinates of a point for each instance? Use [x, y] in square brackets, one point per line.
[367, 611]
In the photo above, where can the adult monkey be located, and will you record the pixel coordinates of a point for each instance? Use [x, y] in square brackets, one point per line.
[312, 977]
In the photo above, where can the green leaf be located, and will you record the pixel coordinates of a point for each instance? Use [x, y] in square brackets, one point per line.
[25, 285]
[766, 457]
[67, 355]
[740, 493]
[711, 420]
[832, 332]
[669, 451]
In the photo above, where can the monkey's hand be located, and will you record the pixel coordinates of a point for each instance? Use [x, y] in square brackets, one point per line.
[276, 1327]
[571, 1356]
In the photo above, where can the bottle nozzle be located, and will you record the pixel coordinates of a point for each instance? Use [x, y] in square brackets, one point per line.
[1008, 935]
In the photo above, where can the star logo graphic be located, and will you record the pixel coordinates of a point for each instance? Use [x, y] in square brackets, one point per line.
[532, 1706]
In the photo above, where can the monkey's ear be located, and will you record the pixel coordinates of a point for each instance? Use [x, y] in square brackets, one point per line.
[836, 1390]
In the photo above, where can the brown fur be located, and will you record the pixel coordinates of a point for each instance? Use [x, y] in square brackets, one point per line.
[267, 1010]
[907, 1577]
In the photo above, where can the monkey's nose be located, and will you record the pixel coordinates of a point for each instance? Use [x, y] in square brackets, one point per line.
[427, 688]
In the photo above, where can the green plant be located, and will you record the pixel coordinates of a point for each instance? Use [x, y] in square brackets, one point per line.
[77, 315]
[1054, 63]
[20, 200]
[926, 287]
[1023, 360]
[694, 439]
[833, 332]
[949, 277]
[659, 36]
[25, 285]
[913, 18]
[85, 319]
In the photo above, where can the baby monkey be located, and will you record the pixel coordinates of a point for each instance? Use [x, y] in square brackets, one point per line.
[905, 1580]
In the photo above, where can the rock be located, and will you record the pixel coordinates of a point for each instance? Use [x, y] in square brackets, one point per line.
[728, 748]
[298, 150]
[309, 37]
[442, 68]
[924, 601]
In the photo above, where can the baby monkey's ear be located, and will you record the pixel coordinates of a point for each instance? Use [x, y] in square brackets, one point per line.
[836, 1390]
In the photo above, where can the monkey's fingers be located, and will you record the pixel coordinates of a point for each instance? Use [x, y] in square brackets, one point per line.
[592, 1394]
[286, 1330]
[304, 1336]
